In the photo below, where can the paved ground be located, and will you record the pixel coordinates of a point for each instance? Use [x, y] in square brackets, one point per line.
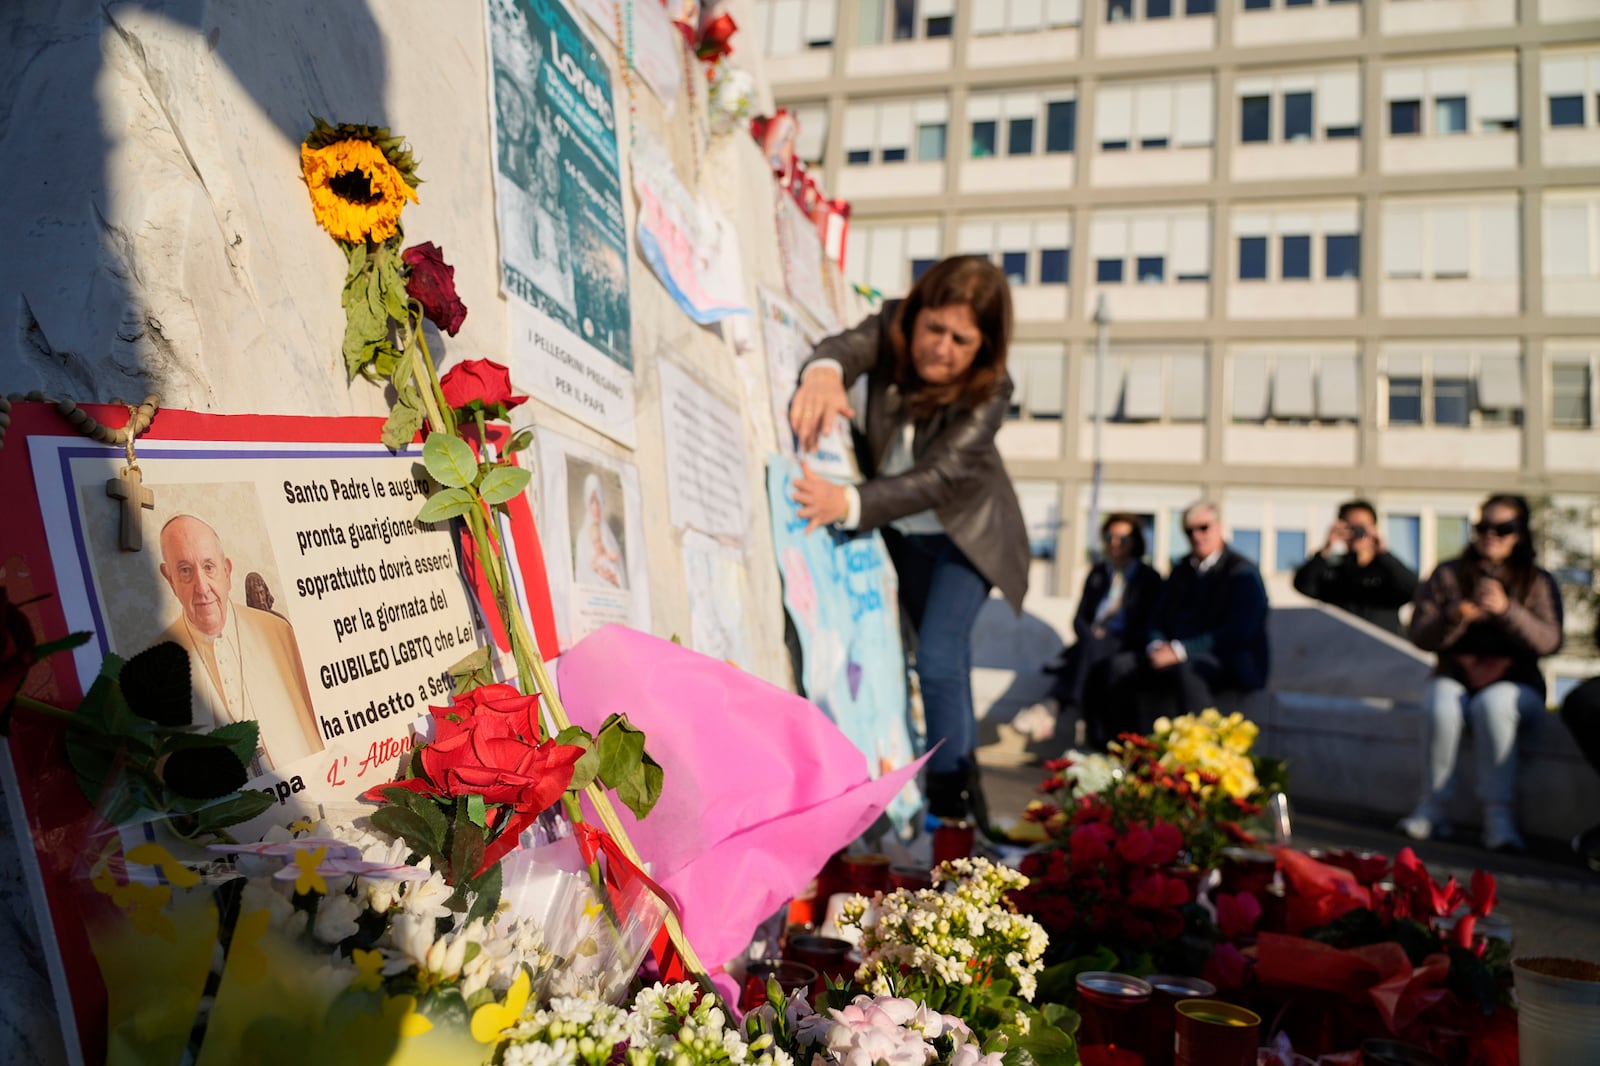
[1551, 900]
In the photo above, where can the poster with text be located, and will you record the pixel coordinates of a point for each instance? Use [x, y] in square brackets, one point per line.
[788, 341]
[703, 438]
[841, 592]
[561, 216]
[592, 530]
[716, 578]
[307, 596]
[802, 261]
[689, 244]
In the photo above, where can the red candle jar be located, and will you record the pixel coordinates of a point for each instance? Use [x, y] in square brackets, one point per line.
[1112, 1007]
[867, 874]
[825, 954]
[1168, 990]
[953, 839]
[910, 878]
[1245, 870]
[1210, 1032]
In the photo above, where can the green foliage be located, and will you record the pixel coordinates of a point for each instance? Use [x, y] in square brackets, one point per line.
[625, 767]
[503, 483]
[472, 672]
[450, 460]
[446, 503]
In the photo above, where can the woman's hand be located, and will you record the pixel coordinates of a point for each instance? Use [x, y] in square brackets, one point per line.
[816, 403]
[1491, 596]
[821, 501]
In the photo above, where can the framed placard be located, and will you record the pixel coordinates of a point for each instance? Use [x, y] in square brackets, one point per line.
[283, 555]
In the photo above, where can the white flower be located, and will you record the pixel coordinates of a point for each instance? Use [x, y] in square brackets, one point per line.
[336, 918]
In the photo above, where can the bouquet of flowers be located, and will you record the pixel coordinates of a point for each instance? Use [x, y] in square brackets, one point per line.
[961, 948]
[869, 1029]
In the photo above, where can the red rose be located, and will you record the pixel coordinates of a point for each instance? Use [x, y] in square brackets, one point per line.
[483, 380]
[1237, 914]
[432, 283]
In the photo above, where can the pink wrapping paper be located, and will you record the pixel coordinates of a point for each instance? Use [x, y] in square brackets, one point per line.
[760, 787]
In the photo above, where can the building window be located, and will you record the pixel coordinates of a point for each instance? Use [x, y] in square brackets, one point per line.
[1297, 119]
[920, 267]
[1108, 271]
[1119, 10]
[1247, 542]
[1405, 538]
[1053, 266]
[1405, 401]
[1566, 111]
[1337, 133]
[1019, 136]
[1296, 252]
[1152, 269]
[1200, 7]
[1157, 9]
[858, 157]
[984, 135]
[1255, 119]
[1405, 117]
[894, 155]
[1060, 125]
[941, 26]
[1015, 265]
[1450, 533]
[1252, 258]
[930, 142]
[905, 19]
[1341, 255]
[1569, 396]
[1450, 114]
[1258, 5]
[1289, 549]
[1452, 401]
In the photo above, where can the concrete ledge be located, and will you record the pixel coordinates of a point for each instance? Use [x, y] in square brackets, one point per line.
[1366, 756]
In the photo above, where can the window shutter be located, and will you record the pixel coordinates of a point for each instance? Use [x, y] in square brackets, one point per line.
[1563, 75]
[1194, 124]
[975, 238]
[1402, 241]
[1404, 83]
[810, 142]
[1113, 113]
[1250, 388]
[1499, 242]
[1566, 240]
[1143, 400]
[860, 127]
[1500, 383]
[1340, 99]
[1108, 237]
[1338, 388]
[1044, 383]
[894, 125]
[1291, 388]
[1450, 239]
[1186, 401]
[1494, 91]
[1153, 111]
[1191, 245]
[1150, 235]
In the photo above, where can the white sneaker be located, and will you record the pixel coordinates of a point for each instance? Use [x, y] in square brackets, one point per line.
[1037, 723]
[1500, 830]
[1424, 823]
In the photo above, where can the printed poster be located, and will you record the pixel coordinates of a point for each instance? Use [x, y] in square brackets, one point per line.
[802, 261]
[788, 341]
[690, 245]
[716, 580]
[559, 206]
[704, 442]
[841, 593]
[593, 536]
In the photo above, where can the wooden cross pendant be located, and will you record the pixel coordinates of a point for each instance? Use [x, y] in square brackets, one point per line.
[128, 487]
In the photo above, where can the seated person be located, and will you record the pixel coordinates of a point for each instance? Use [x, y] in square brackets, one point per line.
[1208, 632]
[1581, 712]
[1113, 616]
[1355, 572]
[1491, 615]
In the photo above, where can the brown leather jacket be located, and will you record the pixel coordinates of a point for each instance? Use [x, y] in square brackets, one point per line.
[1529, 630]
[958, 472]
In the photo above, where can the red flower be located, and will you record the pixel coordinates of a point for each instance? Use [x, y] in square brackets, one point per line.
[1483, 893]
[1227, 968]
[1136, 846]
[1090, 845]
[1427, 899]
[716, 35]
[481, 380]
[1237, 914]
[432, 283]
[1053, 783]
[1168, 841]
[1055, 766]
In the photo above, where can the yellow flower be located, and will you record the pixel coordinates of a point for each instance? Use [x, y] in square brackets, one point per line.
[357, 193]
[158, 856]
[370, 967]
[308, 879]
[492, 1019]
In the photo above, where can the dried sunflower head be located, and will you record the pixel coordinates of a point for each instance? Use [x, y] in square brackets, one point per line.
[360, 178]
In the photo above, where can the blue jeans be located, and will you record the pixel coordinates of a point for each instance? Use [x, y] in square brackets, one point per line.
[941, 593]
[1495, 713]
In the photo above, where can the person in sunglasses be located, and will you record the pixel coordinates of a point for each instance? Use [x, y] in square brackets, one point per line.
[1355, 572]
[1490, 616]
[1113, 617]
[1208, 632]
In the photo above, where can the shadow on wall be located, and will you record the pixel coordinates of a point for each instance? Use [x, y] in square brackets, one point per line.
[95, 97]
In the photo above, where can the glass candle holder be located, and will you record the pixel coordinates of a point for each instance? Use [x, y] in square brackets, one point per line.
[1167, 991]
[828, 955]
[910, 878]
[1209, 1032]
[867, 874]
[793, 977]
[1112, 1008]
[953, 839]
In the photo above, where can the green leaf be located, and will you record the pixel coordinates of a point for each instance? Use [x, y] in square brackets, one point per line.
[394, 286]
[239, 808]
[621, 748]
[487, 887]
[641, 790]
[426, 808]
[473, 671]
[446, 503]
[585, 769]
[521, 440]
[241, 738]
[408, 825]
[450, 460]
[466, 847]
[503, 483]
[66, 643]
[477, 810]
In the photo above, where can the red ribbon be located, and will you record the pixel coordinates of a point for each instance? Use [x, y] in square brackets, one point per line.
[621, 872]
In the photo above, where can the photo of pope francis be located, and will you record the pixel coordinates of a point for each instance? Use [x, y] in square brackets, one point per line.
[244, 663]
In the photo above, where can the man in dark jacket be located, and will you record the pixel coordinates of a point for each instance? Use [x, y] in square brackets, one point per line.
[1356, 573]
[1209, 629]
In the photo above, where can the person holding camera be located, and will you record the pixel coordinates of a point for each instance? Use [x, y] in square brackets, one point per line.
[1355, 572]
[1490, 615]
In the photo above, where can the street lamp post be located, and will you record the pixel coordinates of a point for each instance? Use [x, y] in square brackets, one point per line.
[1102, 324]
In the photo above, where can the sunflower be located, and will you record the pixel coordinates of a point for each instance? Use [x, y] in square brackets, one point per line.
[359, 178]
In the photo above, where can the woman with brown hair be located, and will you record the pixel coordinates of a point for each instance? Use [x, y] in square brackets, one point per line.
[1490, 615]
[937, 392]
